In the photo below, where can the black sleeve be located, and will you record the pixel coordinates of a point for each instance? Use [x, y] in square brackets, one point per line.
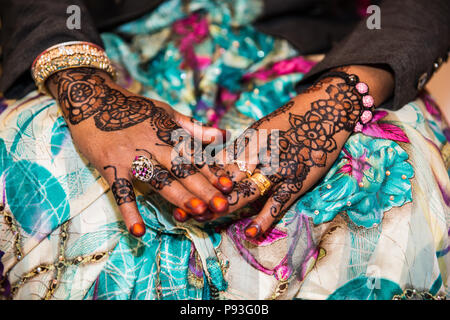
[28, 28]
[413, 41]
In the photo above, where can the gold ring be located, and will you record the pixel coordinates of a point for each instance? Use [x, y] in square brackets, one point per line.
[261, 181]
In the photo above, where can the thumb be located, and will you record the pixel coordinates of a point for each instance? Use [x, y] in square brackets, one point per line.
[201, 132]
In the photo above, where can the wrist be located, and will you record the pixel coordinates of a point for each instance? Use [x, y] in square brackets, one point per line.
[380, 80]
[95, 77]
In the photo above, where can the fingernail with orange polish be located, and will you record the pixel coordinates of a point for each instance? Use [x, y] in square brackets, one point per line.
[224, 184]
[219, 204]
[180, 215]
[252, 231]
[138, 230]
[196, 205]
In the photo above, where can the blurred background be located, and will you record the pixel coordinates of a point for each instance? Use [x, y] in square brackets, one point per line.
[439, 87]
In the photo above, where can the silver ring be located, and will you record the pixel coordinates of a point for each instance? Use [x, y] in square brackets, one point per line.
[143, 168]
[242, 165]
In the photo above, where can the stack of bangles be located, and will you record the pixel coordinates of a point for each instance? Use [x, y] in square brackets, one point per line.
[67, 55]
[367, 101]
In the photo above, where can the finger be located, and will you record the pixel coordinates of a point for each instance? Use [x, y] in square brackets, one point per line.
[244, 192]
[203, 158]
[176, 193]
[163, 182]
[190, 177]
[217, 175]
[199, 131]
[272, 211]
[122, 190]
[242, 156]
[184, 140]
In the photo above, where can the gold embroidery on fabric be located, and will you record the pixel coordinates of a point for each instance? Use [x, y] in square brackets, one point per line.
[58, 267]
[413, 294]
[13, 226]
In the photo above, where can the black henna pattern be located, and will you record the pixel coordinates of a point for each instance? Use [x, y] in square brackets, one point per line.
[242, 189]
[181, 169]
[309, 140]
[121, 188]
[83, 94]
[163, 124]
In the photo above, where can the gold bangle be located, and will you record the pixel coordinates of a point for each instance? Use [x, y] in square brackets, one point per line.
[67, 55]
[261, 181]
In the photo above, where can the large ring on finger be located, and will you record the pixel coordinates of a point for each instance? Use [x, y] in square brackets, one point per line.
[261, 181]
[143, 168]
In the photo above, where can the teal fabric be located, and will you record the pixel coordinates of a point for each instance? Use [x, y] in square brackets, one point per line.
[206, 60]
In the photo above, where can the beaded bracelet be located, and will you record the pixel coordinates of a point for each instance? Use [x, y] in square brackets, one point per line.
[367, 100]
[66, 55]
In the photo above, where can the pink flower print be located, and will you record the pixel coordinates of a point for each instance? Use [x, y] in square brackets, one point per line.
[383, 130]
[296, 64]
[355, 166]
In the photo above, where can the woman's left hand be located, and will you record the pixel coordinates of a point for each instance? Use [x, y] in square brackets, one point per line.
[294, 146]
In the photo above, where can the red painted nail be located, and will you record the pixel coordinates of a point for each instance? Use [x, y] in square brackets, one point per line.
[219, 204]
[225, 184]
[252, 231]
[137, 230]
[180, 215]
[196, 205]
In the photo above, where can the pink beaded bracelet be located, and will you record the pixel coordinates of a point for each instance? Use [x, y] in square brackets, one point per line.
[367, 100]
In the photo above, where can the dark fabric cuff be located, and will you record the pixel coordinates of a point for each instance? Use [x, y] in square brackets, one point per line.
[413, 42]
[30, 27]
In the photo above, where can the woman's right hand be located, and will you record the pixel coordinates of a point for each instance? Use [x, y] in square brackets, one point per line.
[111, 126]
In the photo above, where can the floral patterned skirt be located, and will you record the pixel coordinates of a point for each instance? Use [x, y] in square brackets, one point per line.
[375, 227]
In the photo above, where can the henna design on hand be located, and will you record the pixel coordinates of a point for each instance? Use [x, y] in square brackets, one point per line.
[186, 146]
[163, 125]
[241, 189]
[283, 109]
[121, 188]
[309, 140]
[181, 169]
[82, 93]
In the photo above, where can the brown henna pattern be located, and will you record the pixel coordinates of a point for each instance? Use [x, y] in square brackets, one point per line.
[122, 189]
[309, 140]
[242, 189]
[83, 94]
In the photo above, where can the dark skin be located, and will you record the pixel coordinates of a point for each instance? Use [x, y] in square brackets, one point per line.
[312, 129]
[111, 126]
